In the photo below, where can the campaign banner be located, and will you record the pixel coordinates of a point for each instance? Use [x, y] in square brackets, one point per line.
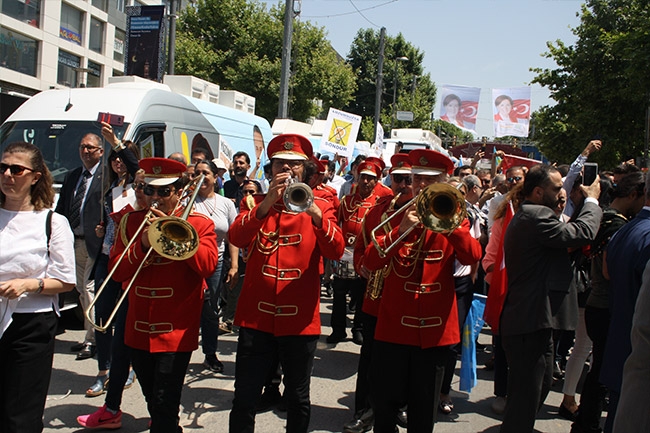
[511, 110]
[145, 39]
[340, 132]
[460, 105]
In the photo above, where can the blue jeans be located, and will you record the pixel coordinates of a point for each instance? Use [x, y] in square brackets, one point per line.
[210, 312]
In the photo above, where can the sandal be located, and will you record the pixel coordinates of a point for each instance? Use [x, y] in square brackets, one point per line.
[446, 407]
[99, 387]
[129, 381]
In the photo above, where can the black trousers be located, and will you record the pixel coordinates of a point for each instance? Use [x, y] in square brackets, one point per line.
[500, 368]
[362, 400]
[256, 351]
[161, 377]
[415, 379]
[530, 376]
[593, 392]
[340, 288]
[26, 353]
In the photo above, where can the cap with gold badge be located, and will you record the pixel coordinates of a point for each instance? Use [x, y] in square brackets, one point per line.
[430, 162]
[289, 146]
[400, 164]
[161, 171]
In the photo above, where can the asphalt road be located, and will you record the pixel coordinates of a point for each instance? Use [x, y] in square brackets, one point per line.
[207, 397]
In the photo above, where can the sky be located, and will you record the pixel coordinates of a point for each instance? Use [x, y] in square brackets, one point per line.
[478, 43]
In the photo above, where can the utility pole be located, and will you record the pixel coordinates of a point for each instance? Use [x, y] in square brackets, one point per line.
[380, 78]
[285, 72]
[172, 38]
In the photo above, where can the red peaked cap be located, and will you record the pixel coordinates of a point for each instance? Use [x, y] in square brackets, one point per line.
[369, 168]
[161, 171]
[377, 161]
[289, 146]
[430, 162]
[400, 164]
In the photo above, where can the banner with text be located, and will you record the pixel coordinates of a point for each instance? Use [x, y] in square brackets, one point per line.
[511, 110]
[460, 105]
[340, 132]
[145, 39]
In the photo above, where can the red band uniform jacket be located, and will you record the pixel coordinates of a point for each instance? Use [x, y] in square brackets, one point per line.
[418, 304]
[281, 290]
[166, 298]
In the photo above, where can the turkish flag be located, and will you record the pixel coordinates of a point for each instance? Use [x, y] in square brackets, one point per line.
[513, 160]
[468, 111]
[520, 109]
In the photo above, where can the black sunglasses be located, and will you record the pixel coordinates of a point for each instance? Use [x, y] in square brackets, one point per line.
[397, 178]
[514, 179]
[14, 169]
[139, 186]
[162, 192]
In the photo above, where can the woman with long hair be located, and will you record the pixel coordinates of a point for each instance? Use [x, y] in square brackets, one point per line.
[36, 264]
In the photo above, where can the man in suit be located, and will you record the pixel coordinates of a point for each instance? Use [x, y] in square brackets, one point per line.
[539, 273]
[626, 257]
[81, 202]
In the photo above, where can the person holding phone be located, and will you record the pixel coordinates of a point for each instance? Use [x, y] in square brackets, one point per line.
[576, 169]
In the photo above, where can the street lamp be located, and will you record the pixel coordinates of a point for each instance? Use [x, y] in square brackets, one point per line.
[392, 120]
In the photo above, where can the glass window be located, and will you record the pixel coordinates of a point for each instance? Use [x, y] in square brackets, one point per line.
[68, 66]
[96, 40]
[101, 4]
[117, 73]
[118, 45]
[71, 24]
[22, 10]
[18, 52]
[94, 75]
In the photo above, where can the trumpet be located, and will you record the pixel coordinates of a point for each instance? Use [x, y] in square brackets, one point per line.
[171, 237]
[298, 196]
[440, 208]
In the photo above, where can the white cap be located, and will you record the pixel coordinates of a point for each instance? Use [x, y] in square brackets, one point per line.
[220, 164]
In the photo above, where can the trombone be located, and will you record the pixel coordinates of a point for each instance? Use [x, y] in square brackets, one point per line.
[171, 237]
[440, 208]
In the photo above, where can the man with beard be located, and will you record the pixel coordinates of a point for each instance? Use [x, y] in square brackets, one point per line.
[241, 163]
[539, 274]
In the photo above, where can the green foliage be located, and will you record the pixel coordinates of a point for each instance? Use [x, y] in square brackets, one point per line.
[416, 91]
[600, 85]
[238, 45]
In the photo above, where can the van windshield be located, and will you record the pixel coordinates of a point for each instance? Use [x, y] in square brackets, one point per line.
[58, 140]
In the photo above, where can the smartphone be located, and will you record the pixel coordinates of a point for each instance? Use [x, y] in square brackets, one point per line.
[590, 172]
[111, 119]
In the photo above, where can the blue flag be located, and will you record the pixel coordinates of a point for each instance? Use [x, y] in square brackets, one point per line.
[471, 328]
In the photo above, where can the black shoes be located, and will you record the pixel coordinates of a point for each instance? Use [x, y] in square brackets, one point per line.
[361, 423]
[88, 350]
[270, 397]
[213, 364]
[557, 371]
[336, 337]
[357, 338]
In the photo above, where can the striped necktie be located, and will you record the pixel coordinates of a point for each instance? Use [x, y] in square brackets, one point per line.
[75, 210]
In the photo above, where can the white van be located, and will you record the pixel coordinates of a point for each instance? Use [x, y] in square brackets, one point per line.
[157, 119]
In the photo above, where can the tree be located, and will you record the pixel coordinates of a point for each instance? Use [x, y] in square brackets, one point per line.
[600, 85]
[416, 91]
[238, 45]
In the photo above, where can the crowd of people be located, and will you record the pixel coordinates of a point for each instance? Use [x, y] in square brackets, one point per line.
[402, 246]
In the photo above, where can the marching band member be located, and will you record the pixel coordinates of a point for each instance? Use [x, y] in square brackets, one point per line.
[418, 318]
[278, 310]
[352, 210]
[400, 173]
[166, 298]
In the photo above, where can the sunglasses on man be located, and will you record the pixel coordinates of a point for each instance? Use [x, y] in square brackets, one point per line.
[163, 192]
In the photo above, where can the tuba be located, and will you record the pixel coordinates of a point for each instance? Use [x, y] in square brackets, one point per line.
[298, 196]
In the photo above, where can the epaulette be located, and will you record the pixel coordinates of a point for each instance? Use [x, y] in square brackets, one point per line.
[250, 202]
[123, 234]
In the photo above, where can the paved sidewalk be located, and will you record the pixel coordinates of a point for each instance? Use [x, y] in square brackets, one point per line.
[207, 398]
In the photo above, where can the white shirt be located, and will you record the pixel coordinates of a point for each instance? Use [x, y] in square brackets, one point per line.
[222, 212]
[23, 254]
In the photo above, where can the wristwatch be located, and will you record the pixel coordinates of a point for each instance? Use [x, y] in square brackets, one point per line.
[41, 285]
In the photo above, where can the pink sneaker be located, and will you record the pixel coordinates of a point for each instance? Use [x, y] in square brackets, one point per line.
[102, 418]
